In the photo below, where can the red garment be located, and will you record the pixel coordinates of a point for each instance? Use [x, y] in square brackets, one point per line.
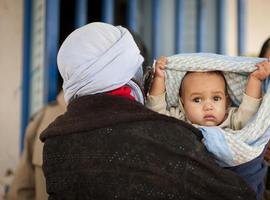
[124, 91]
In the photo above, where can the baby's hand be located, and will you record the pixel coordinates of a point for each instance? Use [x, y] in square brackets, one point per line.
[262, 72]
[160, 66]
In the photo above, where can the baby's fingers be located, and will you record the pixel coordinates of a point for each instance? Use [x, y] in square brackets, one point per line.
[260, 64]
[261, 73]
[163, 59]
[264, 67]
[161, 62]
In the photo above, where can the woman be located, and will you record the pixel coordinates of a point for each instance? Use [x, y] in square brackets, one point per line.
[108, 145]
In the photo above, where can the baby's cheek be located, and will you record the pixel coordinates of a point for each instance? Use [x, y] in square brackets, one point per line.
[222, 112]
[193, 114]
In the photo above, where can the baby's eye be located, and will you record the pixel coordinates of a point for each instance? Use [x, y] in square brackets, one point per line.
[197, 100]
[217, 98]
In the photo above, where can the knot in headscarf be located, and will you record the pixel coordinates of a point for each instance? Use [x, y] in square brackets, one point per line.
[97, 58]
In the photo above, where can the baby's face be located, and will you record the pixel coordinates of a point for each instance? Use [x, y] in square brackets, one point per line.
[204, 98]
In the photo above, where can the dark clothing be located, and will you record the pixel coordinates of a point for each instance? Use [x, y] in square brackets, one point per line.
[109, 147]
[253, 172]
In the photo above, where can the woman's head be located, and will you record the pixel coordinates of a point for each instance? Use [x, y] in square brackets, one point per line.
[265, 51]
[97, 58]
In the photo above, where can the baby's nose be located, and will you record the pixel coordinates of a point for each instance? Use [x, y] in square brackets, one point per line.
[208, 106]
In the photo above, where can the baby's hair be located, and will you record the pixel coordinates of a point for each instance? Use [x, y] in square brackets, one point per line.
[219, 73]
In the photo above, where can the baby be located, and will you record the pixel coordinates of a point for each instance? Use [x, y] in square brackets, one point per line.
[204, 98]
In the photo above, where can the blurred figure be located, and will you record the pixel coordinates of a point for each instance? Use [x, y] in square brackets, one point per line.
[265, 50]
[29, 181]
[265, 53]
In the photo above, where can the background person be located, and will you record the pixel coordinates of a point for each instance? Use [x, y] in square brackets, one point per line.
[29, 181]
[265, 50]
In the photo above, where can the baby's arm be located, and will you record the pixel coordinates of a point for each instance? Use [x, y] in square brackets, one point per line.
[254, 83]
[252, 97]
[247, 109]
[156, 97]
[158, 84]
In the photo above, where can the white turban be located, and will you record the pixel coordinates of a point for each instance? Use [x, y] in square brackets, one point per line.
[97, 58]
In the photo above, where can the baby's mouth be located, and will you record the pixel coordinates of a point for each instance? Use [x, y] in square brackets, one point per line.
[209, 117]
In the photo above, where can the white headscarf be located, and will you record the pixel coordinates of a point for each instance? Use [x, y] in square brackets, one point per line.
[98, 58]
